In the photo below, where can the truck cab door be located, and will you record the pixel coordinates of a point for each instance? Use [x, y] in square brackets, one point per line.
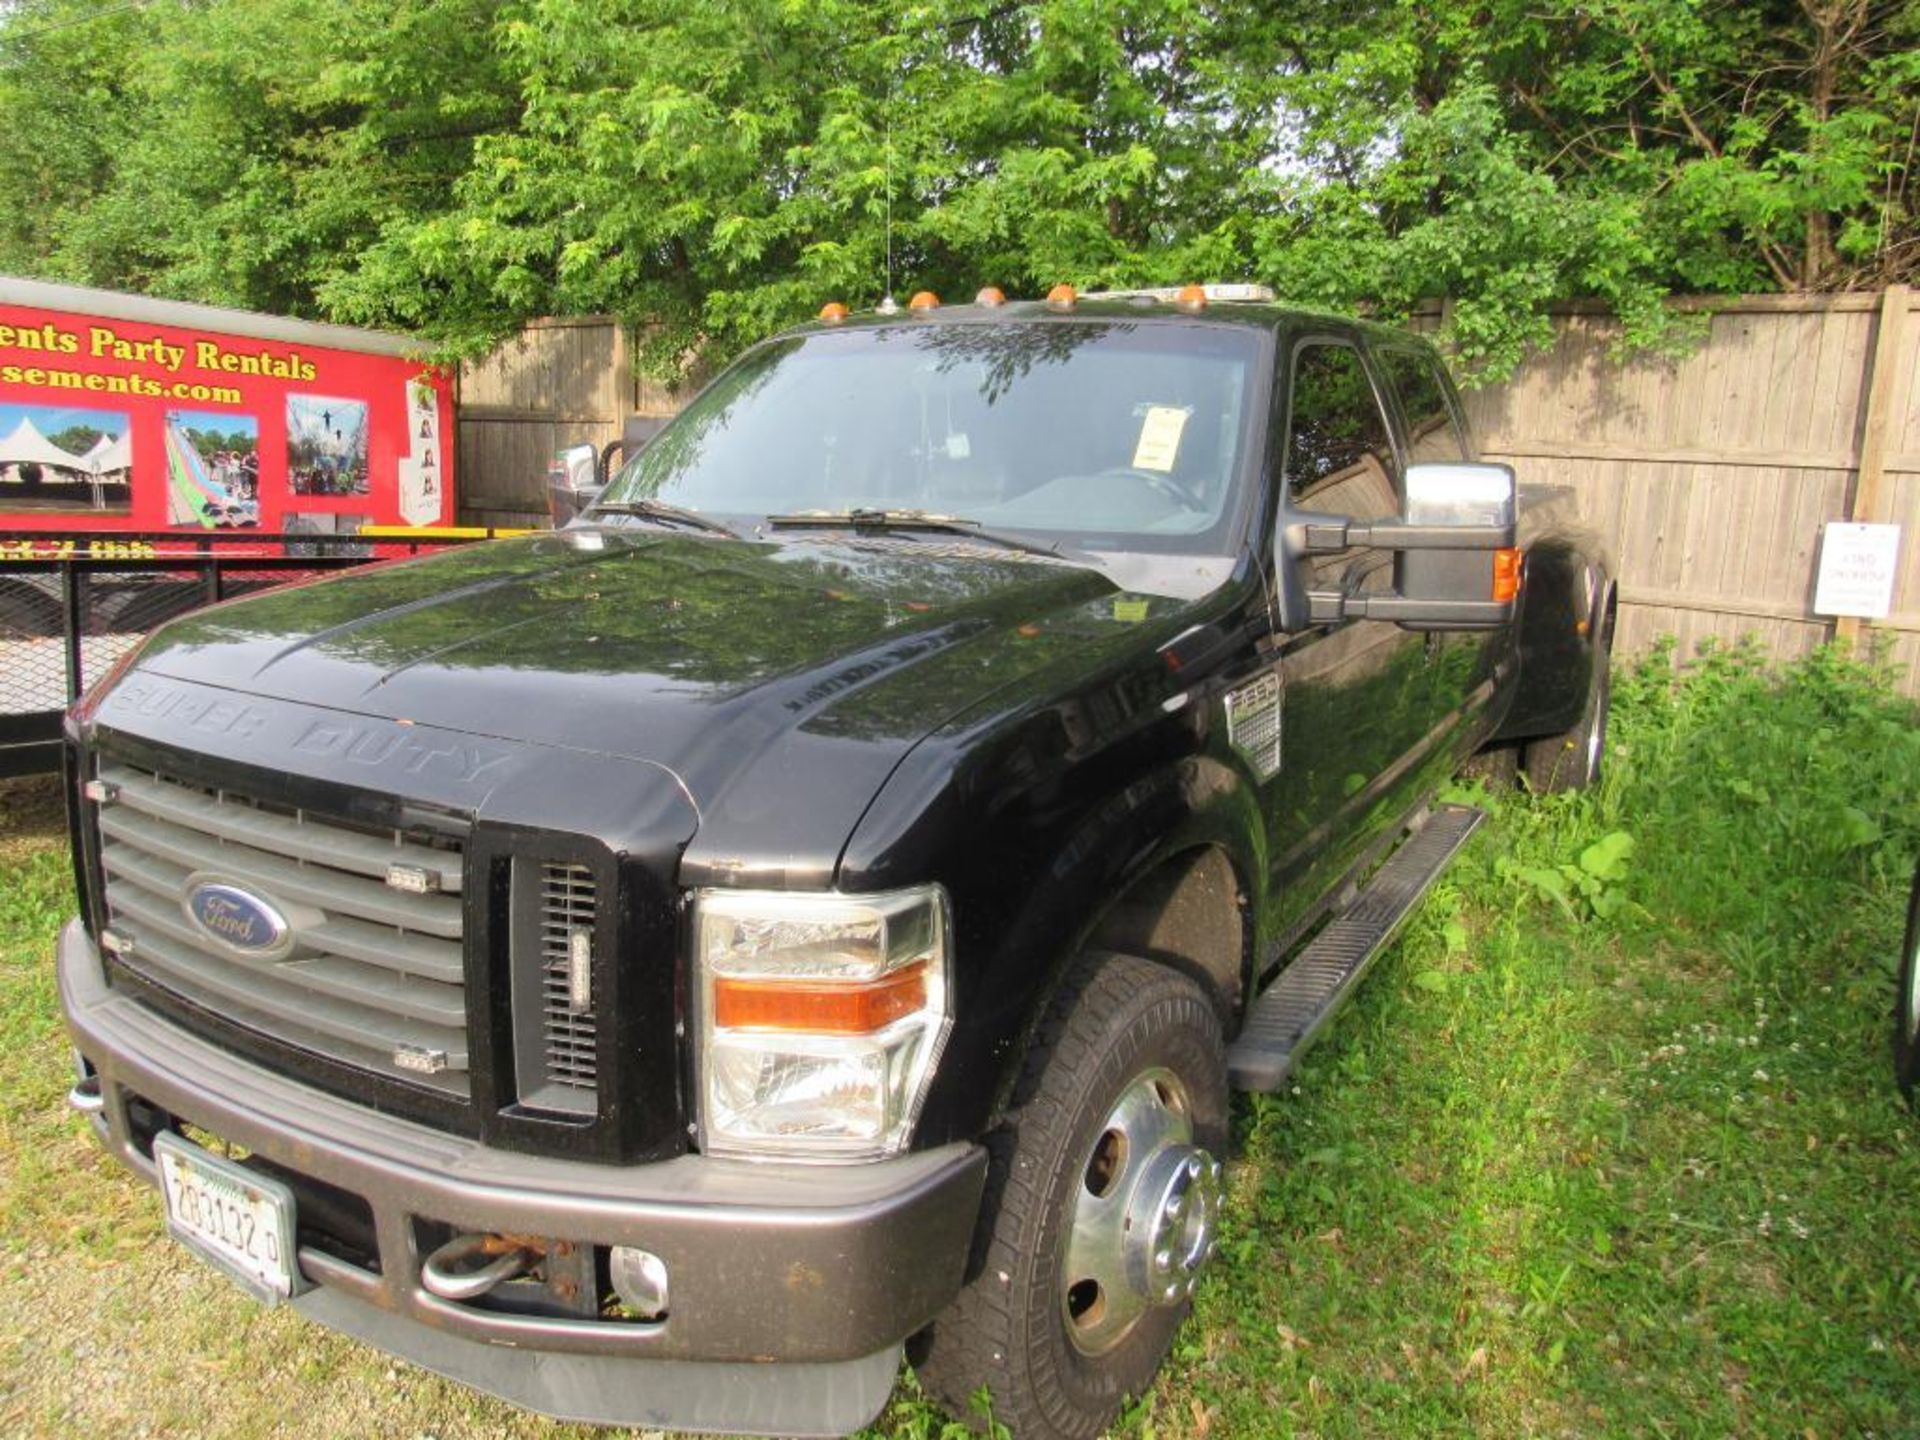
[1464, 667]
[1356, 698]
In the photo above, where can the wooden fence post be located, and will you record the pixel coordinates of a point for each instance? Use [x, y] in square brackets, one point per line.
[1868, 498]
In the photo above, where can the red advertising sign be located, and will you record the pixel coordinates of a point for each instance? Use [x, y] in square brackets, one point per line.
[120, 413]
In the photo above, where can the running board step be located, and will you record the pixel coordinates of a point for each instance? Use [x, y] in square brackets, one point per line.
[1291, 1012]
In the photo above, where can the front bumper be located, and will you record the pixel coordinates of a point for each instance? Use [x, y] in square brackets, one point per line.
[792, 1285]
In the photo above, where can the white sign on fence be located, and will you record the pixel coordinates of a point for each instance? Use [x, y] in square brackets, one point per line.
[1856, 570]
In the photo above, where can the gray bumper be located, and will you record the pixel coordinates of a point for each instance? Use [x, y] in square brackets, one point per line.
[793, 1286]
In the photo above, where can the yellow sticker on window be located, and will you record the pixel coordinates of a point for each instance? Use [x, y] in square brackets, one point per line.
[1160, 435]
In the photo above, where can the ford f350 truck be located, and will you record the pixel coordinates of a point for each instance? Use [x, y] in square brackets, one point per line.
[820, 901]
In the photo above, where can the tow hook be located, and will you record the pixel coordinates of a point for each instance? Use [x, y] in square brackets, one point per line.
[450, 1273]
[85, 1096]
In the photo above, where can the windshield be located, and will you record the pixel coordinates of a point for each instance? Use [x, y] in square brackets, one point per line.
[1101, 435]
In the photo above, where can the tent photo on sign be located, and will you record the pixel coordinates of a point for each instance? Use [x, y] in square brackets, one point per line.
[61, 458]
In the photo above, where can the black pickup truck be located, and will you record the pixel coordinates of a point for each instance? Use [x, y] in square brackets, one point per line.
[819, 902]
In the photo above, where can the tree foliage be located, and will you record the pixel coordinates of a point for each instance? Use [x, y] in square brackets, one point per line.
[712, 171]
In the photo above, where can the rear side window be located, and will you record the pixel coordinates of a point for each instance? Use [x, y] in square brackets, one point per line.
[1433, 429]
[1339, 454]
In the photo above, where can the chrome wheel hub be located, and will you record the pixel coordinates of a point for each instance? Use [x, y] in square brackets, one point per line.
[1597, 729]
[1913, 993]
[1145, 1218]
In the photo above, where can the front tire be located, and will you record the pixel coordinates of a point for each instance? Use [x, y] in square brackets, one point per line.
[1103, 1198]
[1906, 1034]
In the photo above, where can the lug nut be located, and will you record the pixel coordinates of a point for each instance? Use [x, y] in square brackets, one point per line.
[1163, 1261]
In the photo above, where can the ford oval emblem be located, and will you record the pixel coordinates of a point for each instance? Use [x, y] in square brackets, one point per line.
[237, 918]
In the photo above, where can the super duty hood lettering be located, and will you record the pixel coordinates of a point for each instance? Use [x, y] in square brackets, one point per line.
[358, 743]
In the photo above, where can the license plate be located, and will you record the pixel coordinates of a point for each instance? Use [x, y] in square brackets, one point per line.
[239, 1221]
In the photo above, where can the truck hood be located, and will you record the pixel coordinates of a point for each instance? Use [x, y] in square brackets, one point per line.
[780, 682]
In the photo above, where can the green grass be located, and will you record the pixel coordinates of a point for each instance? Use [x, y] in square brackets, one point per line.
[1607, 1146]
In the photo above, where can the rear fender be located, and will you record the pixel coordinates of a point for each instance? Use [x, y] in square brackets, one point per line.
[1564, 631]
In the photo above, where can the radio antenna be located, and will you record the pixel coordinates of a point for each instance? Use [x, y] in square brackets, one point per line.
[888, 305]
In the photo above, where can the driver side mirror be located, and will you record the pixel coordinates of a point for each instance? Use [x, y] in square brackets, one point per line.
[1474, 496]
[638, 432]
[1455, 566]
[573, 481]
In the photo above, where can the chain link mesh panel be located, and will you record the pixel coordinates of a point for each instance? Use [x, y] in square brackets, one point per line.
[116, 609]
[33, 651]
[114, 605]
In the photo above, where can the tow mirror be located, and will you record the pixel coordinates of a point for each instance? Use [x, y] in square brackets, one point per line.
[573, 482]
[638, 433]
[1462, 494]
[1454, 567]
[1473, 496]
[635, 435]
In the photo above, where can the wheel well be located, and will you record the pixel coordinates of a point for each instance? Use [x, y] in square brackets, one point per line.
[1190, 914]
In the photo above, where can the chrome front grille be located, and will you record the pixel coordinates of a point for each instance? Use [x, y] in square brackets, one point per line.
[369, 974]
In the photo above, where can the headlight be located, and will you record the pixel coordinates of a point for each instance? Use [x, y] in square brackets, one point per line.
[821, 1017]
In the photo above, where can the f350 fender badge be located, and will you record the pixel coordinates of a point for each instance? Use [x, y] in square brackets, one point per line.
[1253, 724]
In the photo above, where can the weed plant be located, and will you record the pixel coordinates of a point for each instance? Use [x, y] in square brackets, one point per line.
[1610, 1146]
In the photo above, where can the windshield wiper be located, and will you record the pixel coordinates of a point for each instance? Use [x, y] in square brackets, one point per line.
[877, 519]
[665, 513]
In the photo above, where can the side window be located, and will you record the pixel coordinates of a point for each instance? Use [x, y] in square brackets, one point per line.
[1433, 429]
[1339, 455]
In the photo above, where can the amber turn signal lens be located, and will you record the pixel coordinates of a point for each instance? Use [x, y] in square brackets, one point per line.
[833, 313]
[1191, 297]
[990, 295]
[1506, 575]
[1062, 297]
[924, 300]
[819, 1007]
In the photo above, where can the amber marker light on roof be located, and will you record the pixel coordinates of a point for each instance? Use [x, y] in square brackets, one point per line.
[1191, 298]
[1506, 575]
[833, 313]
[922, 301]
[1062, 297]
[990, 295]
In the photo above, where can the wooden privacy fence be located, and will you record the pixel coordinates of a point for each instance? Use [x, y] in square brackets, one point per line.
[1709, 475]
[558, 383]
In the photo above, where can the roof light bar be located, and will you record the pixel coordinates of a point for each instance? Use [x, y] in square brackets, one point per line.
[1217, 293]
